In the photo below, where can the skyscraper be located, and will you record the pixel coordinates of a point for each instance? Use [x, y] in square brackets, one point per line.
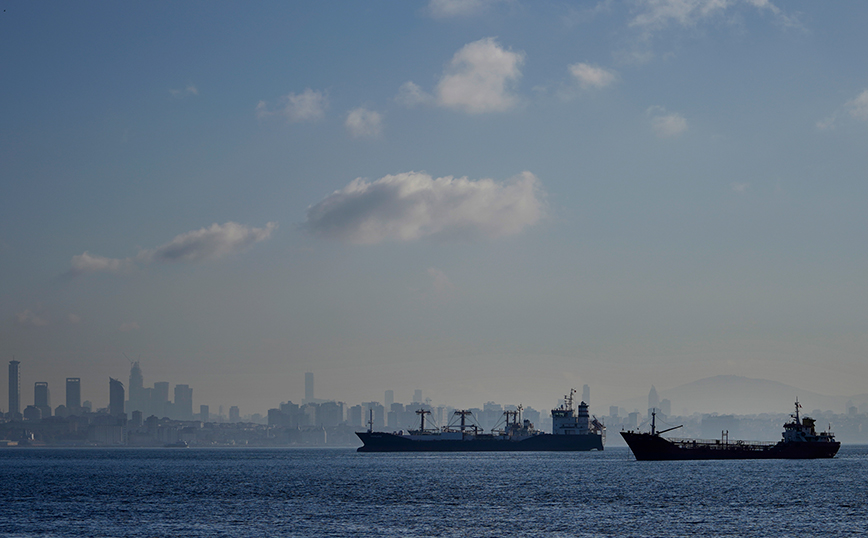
[653, 400]
[14, 387]
[116, 398]
[138, 401]
[160, 399]
[586, 394]
[203, 413]
[417, 396]
[389, 398]
[73, 394]
[308, 387]
[234, 414]
[42, 398]
[183, 402]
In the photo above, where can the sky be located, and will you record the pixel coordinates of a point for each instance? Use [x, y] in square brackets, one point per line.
[481, 199]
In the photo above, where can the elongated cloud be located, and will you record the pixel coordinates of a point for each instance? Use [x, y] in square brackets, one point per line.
[216, 241]
[658, 14]
[480, 78]
[26, 317]
[88, 263]
[458, 8]
[413, 205]
[591, 76]
[666, 124]
[307, 106]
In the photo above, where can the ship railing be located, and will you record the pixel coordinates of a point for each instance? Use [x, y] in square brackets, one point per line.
[717, 443]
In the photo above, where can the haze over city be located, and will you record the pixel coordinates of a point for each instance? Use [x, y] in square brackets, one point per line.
[481, 200]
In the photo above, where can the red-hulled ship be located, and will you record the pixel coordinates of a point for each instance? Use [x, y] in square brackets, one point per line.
[800, 441]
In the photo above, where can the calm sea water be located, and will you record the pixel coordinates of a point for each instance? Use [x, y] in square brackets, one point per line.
[289, 492]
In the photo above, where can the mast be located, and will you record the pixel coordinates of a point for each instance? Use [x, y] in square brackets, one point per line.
[653, 421]
[463, 414]
[422, 413]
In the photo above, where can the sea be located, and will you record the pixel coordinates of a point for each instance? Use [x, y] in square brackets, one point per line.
[247, 492]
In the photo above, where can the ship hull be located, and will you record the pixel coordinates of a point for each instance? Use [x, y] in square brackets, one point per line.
[647, 447]
[389, 442]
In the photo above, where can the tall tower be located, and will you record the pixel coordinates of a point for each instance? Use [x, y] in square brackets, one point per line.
[417, 396]
[42, 398]
[73, 394]
[653, 400]
[14, 387]
[308, 387]
[137, 389]
[586, 394]
[116, 398]
[389, 398]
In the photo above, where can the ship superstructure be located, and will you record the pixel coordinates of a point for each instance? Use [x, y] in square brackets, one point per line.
[800, 440]
[572, 430]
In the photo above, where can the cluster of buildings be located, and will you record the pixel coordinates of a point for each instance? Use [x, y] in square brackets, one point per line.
[147, 417]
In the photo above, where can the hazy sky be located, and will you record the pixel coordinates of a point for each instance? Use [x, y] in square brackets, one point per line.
[485, 200]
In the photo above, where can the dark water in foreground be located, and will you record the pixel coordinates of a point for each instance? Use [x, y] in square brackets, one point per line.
[250, 492]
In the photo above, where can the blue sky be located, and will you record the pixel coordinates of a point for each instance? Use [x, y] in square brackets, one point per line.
[485, 200]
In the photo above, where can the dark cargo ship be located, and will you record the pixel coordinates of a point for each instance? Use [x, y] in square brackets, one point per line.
[572, 430]
[800, 441]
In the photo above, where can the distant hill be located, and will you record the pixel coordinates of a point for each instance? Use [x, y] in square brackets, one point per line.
[730, 394]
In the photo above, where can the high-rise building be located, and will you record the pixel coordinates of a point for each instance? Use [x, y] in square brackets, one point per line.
[184, 402]
[116, 398]
[42, 398]
[389, 398]
[586, 394]
[665, 407]
[73, 394]
[14, 387]
[203, 413]
[234, 414]
[308, 387]
[160, 399]
[138, 400]
[417, 396]
[653, 400]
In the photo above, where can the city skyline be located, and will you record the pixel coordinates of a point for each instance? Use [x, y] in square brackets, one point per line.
[486, 200]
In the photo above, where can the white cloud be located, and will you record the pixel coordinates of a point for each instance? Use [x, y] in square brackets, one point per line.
[26, 317]
[740, 188]
[129, 326]
[480, 78]
[666, 124]
[308, 106]
[362, 122]
[410, 95]
[591, 76]
[827, 123]
[458, 8]
[412, 205]
[88, 263]
[186, 92]
[858, 107]
[658, 14]
[207, 243]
